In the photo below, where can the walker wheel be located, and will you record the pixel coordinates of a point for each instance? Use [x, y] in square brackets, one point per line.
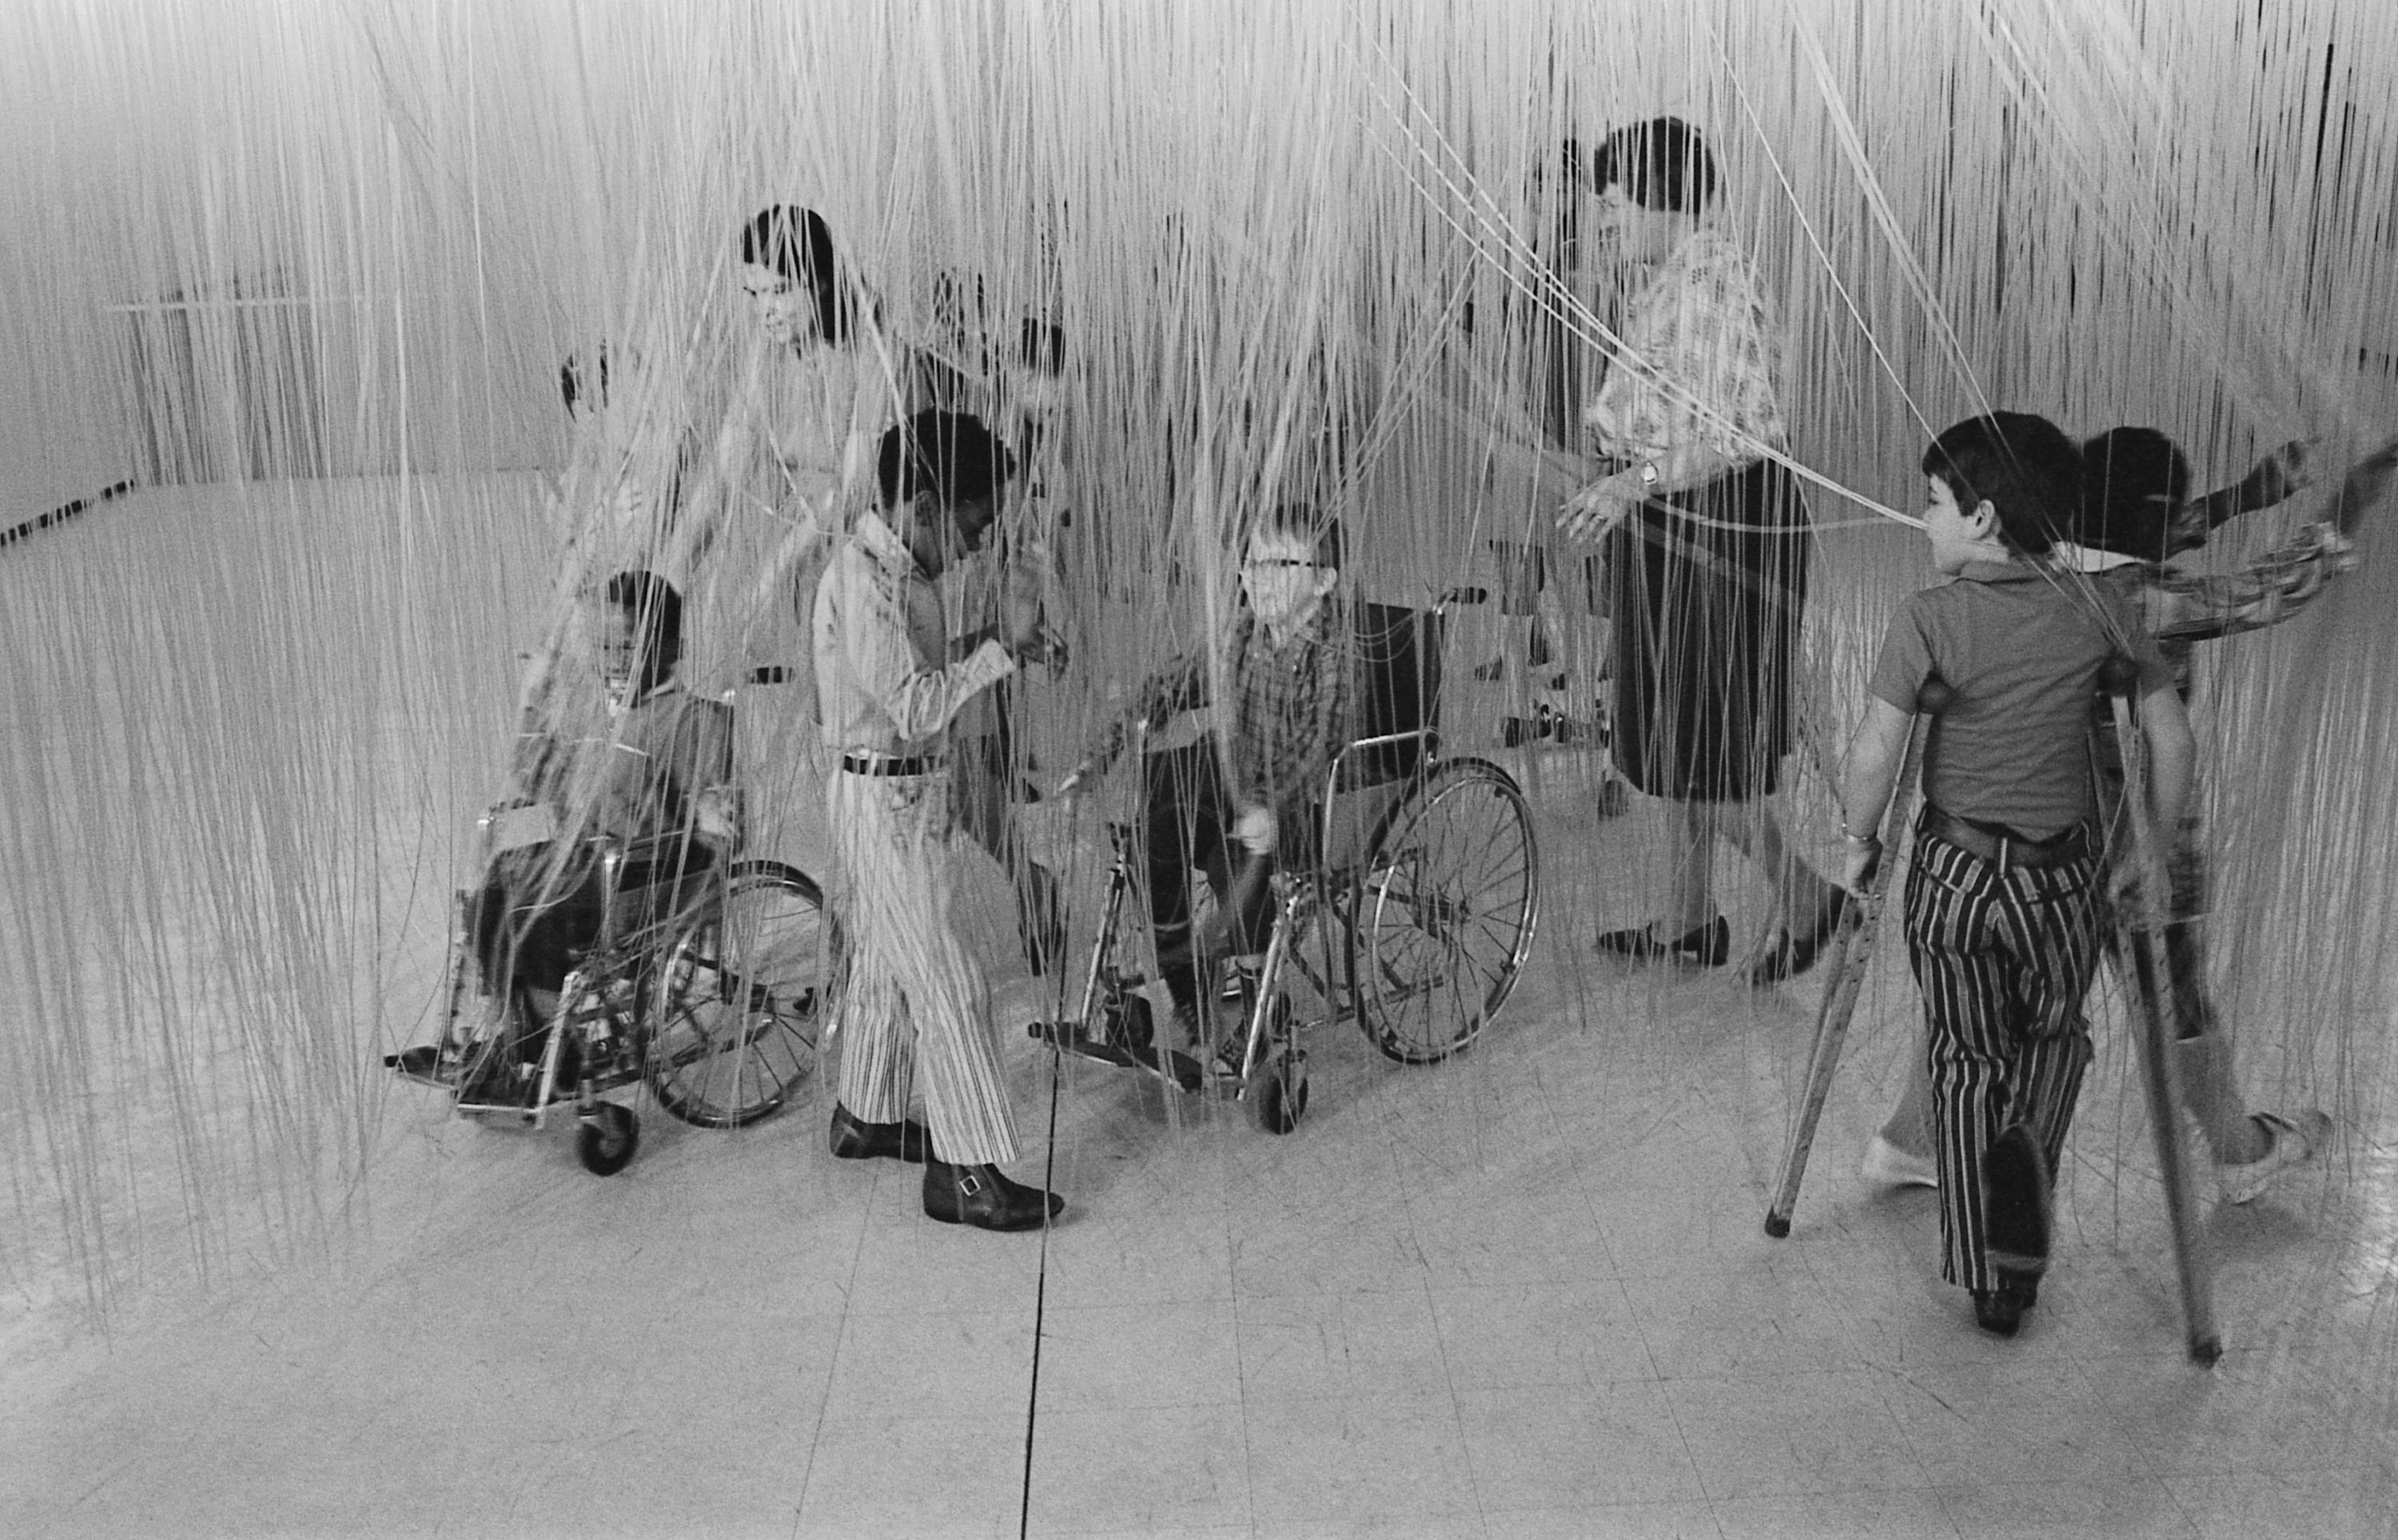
[607, 1139]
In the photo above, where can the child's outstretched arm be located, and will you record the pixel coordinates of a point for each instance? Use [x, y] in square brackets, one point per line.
[2173, 750]
[2281, 475]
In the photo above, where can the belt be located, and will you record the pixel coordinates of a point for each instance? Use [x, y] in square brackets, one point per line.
[893, 764]
[2002, 847]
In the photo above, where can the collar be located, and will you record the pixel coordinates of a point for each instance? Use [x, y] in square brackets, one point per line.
[2002, 572]
[884, 545]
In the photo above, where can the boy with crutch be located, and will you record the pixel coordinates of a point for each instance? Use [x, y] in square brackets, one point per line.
[2005, 906]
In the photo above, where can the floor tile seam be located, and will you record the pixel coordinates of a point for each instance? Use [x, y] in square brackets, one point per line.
[1952, 1530]
[1897, 1435]
[1648, 1349]
[1689, 1455]
[2147, 1467]
[1456, 1411]
[1950, 1492]
[1249, 1488]
[2191, 1514]
[832, 1368]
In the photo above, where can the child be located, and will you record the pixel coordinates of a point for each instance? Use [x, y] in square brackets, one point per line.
[650, 766]
[1290, 661]
[2135, 513]
[2005, 906]
[890, 682]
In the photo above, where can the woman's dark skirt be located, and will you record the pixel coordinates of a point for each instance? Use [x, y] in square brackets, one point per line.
[1706, 635]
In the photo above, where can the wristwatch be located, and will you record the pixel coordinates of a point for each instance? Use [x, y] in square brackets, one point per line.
[1649, 477]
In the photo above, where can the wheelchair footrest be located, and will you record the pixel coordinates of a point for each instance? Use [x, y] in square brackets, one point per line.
[427, 1064]
[1070, 1037]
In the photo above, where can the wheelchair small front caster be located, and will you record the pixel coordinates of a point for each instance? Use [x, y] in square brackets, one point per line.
[606, 1141]
[1278, 1100]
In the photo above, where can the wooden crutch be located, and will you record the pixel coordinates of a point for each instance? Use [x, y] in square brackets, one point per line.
[1851, 953]
[2142, 930]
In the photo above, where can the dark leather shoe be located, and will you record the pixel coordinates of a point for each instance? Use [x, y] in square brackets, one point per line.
[1707, 945]
[854, 1139]
[1998, 1311]
[2015, 1215]
[1797, 954]
[983, 1196]
[421, 1063]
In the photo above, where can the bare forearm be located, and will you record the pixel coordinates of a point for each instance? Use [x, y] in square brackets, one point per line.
[2172, 755]
[1870, 769]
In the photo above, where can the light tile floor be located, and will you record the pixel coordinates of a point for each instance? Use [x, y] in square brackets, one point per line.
[1523, 1295]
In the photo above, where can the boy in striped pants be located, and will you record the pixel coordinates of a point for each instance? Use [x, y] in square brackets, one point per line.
[2005, 902]
[889, 681]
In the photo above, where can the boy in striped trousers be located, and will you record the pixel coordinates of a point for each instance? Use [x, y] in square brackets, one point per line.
[889, 681]
[2005, 902]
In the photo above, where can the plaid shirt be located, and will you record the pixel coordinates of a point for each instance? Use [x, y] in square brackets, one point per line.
[2182, 609]
[1291, 708]
[1700, 358]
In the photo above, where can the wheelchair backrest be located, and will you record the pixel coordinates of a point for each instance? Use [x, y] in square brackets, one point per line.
[1398, 690]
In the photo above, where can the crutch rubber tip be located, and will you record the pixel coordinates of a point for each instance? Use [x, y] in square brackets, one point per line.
[2206, 1350]
[1777, 1226]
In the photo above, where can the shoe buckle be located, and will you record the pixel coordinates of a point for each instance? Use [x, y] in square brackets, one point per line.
[970, 1184]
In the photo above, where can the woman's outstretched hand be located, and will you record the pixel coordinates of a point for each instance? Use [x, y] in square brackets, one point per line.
[1599, 507]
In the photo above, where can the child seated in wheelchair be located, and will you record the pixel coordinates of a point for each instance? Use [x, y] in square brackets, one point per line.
[1290, 660]
[632, 758]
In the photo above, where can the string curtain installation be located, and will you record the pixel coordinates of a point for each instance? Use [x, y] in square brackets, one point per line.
[309, 273]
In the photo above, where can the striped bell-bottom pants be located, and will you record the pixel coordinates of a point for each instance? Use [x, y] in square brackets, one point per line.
[2003, 957]
[914, 993]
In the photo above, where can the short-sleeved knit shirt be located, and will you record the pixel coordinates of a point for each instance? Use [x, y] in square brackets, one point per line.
[2022, 646]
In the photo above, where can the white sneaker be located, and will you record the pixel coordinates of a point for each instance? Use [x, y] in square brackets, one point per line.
[1887, 1165]
[2296, 1142]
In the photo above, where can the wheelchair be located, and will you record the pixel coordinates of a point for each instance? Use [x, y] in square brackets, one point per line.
[707, 988]
[1422, 901]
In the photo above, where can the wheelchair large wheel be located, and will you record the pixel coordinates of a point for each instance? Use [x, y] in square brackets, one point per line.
[1445, 915]
[740, 998]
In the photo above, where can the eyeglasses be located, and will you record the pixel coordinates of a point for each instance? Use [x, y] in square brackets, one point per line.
[1278, 564]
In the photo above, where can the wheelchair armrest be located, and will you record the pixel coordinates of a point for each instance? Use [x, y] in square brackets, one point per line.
[518, 825]
[1353, 768]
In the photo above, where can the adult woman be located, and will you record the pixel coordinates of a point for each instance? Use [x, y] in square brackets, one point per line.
[1706, 538]
[816, 389]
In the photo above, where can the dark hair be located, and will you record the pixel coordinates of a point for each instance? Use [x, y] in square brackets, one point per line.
[1042, 345]
[2133, 479]
[1303, 522]
[655, 611]
[2022, 466]
[952, 455]
[570, 380]
[1660, 163]
[797, 244]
